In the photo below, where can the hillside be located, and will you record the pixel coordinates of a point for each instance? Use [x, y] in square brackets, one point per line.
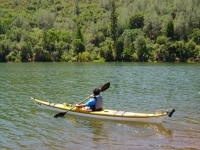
[104, 30]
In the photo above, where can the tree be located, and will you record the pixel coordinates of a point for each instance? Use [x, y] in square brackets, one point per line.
[196, 36]
[78, 46]
[84, 57]
[78, 42]
[79, 34]
[152, 24]
[170, 30]
[161, 53]
[26, 53]
[50, 38]
[191, 49]
[5, 49]
[41, 54]
[119, 49]
[161, 40]
[76, 7]
[46, 19]
[141, 49]
[181, 27]
[105, 4]
[5, 25]
[106, 50]
[136, 21]
[113, 21]
[180, 48]
[171, 53]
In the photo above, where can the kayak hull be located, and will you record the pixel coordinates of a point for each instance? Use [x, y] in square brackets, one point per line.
[105, 113]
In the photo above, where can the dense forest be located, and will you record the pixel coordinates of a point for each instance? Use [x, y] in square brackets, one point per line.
[100, 30]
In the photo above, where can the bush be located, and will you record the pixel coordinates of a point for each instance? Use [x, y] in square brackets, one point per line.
[99, 60]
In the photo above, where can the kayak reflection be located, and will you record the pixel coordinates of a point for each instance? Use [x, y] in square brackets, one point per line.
[103, 128]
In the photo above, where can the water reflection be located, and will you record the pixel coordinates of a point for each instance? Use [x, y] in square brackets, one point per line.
[105, 128]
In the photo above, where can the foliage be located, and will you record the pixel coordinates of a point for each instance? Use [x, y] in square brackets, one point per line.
[105, 30]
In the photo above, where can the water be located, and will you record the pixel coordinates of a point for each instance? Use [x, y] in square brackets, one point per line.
[139, 87]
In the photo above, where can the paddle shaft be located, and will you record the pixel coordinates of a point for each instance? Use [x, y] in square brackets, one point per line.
[78, 104]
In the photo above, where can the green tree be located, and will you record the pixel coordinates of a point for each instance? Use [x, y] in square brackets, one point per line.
[191, 49]
[50, 38]
[5, 25]
[113, 21]
[12, 57]
[161, 53]
[78, 46]
[119, 49]
[170, 30]
[141, 49]
[161, 40]
[181, 28]
[76, 7]
[26, 51]
[79, 34]
[84, 57]
[5, 49]
[78, 42]
[181, 49]
[171, 53]
[152, 26]
[106, 50]
[41, 54]
[195, 35]
[148, 30]
[105, 4]
[136, 21]
[46, 19]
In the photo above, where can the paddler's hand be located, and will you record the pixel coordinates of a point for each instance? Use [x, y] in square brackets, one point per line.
[80, 105]
[91, 96]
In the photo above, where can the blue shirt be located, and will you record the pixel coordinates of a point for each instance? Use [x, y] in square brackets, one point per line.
[91, 102]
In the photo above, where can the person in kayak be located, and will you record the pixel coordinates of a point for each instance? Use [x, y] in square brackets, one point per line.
[95, 102]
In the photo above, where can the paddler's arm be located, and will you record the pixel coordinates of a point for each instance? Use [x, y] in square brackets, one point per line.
[83, 105]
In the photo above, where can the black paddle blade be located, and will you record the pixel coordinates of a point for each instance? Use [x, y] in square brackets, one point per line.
[170, 113]
[105, 87]
[60, 114]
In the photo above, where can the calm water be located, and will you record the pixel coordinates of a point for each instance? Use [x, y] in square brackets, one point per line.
[140, 87]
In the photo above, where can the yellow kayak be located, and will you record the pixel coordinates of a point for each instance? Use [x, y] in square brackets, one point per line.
[108, 114]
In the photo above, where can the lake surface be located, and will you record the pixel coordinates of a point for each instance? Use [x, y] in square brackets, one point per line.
[139, 87]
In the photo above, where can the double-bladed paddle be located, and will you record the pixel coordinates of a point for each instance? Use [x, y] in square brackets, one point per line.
[103, 88]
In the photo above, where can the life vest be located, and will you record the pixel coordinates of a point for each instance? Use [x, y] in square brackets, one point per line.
[98, 104]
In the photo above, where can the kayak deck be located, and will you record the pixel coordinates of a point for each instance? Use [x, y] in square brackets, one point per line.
[105, 113]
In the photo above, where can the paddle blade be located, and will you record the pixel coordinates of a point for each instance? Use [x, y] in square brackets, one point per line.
[105, 87]
[170, 113]
[60, 114]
